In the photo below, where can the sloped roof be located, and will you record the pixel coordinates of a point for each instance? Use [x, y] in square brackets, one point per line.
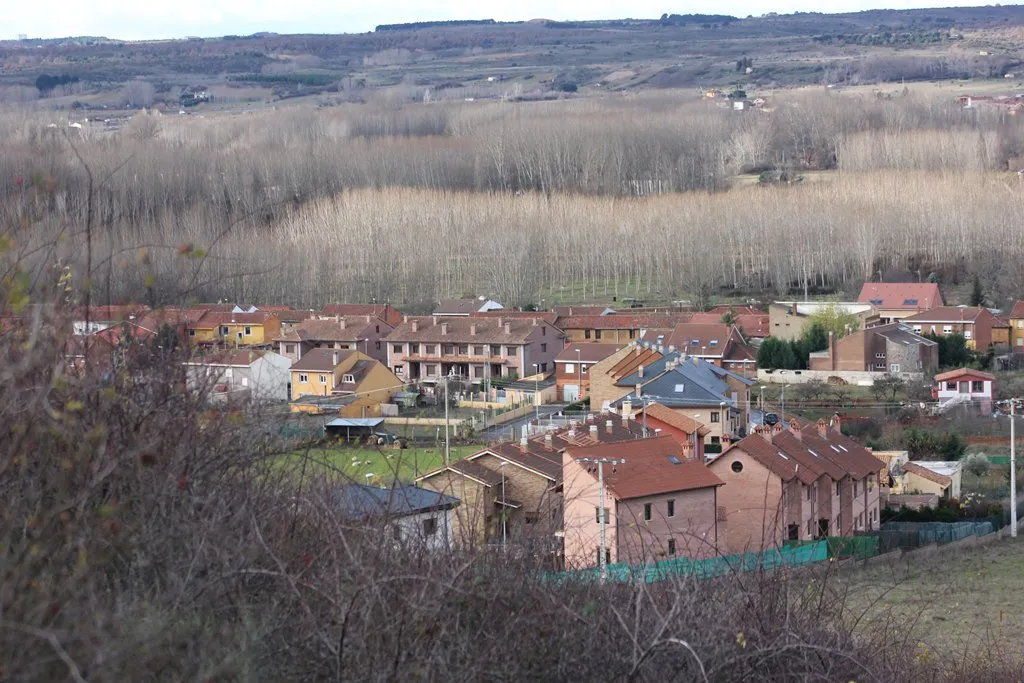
[568, 311]
[772, 458]
[236, 358]
[588, 353]
[488, 330]
[360, 501]
[459, 306]
[341, 329]
[214, 319]
[628, 365]
[672, 418]
[925, 473]
[947, 314]
[1018, 310]
[908, 296]
[964, 373]
[901, 334]
[321, 360]
[383, 311]
[706, 339]
[621, 321]
[653, 467]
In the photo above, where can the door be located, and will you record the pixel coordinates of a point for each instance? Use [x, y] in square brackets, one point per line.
[571, 393]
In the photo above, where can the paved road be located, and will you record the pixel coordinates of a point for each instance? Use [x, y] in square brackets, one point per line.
[513, 430]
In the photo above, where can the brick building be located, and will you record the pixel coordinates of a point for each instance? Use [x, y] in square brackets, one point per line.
[973, 322]
[572, 369]
[892, 348]
[897, 300]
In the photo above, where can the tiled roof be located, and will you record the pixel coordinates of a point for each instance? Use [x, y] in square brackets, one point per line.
[673, 418]
[321, 360]
[383, 311]
[344, 329]
[237, 358]
[908, 296]
[947, 314]
[588, 353]
[705, 339]
[568, 311]
[628, 365]
[653, 467]
[964, 372]
[214, 319]
[621, 321]
[474, 470]
[359, 501]
[771, 457]
[488, 330]
[459, 306]
[291, 315]
[1018, 310]
[115, 312]
[925, 473]
[899, 333]
[546, 316]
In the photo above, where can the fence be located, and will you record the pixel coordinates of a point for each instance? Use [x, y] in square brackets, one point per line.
[841, 547]
[895, 535]
[713, 567]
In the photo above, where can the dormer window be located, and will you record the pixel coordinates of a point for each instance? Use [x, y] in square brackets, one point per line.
[910, 302]
[348, 379]
[876, 302]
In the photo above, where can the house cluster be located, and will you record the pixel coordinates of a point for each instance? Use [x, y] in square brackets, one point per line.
[639, 477]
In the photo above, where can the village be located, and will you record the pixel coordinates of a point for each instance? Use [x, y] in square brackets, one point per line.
[594, 436]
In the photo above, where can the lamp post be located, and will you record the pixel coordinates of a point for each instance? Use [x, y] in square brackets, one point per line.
[447, 440]
[536, 391]
[601, 514]
[504, 510]
[721, 416]
[579, 370]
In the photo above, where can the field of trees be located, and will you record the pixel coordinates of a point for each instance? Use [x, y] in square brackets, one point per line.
[615, 196]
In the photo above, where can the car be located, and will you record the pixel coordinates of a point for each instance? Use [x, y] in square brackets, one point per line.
[771, 419]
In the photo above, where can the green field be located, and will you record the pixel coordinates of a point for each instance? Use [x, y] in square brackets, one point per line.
[372, 465]
[951, 601]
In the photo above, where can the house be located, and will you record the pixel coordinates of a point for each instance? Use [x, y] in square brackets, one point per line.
[932, 477]
[716, 343]
[385, 312]
[893, 348]
[897, 300]
[241, 374]
[789, 320]
[465, 307]
[659, 502]
[423, 348]
[290, 319]
[715, 397]
[512, 491]
[797, 482]
[572, 376]
[964, 386]
[407, 515]
[1017, 328]
[975, 323]
[359, 332]
[615, 328]
[87, 320]
[659, 420]
[1001, 334]
[569, 311]
[230, 328]
[323, 379]
[751, 325]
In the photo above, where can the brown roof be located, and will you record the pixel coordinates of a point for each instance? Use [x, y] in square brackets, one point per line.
[459, 306]
[588, 353]
[567, 311]
[237, 358]
[321, 360]
[110, 313]
[675, 419]
[621, 321]
[214, 319]
[546, 316]
[854, 458]
[908, 296]
[653, 467]
[736, 310]
[964, 372]
[925, 473]
[290, 315]
[1018, 310]
[468, 469]
[629, 364]
[349, 328]
[697, 338]
[383, 311]
[488, 330]
[772, 458]
[947, 314]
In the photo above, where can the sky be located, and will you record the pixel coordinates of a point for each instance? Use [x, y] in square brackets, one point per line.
[152, 19]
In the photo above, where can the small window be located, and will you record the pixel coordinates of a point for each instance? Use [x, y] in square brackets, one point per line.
[968, 334]
[680, 388]
[378, 346]
[396, 348]
[399, 370]
[671, 546]
[977, 387]
[192, 333]
[946, 329]
[1020, 324]
[671, 511]
[879, 355]
[289, 348]
[543, 348]
[808, 490]
[303, 379]
[950, 386]
[431, 349]
[429, 526]
[570, 368]
[894, 368]
[543, 331]
[224, 331]
[715, 416]
[511, 351]
[586, 334]
[597, 334]
[838, 487]
[737, 466]
[323, 379]
[248, 331]
[716, 439]
[855, 488]
[583, 368]
[917, 328]
[348, 379]
[478, 350]
[647, 512]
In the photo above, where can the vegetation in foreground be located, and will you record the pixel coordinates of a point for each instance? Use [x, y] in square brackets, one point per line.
[375, 465]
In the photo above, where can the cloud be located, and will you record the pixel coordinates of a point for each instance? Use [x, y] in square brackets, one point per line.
[138, 19]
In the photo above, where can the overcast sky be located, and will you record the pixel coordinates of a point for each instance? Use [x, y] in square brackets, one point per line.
[144, 19]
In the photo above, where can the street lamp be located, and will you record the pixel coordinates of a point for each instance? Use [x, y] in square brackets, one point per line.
[536, 390]
[602, 517]
[579, 370]
[721, 416]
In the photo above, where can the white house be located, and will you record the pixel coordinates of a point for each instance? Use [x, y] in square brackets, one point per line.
[243, 374]
[409, 515]
[964, 386]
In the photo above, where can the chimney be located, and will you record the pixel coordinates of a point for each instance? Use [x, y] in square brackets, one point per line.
[593, 431]
[687, 447]
[415, 325]
[836, 423]
[548, 440]
[822, 429]
[639, 389]
[640, 371]
[726, 442]
[444, 328]
[405, 319]
[627, 409]
[608, 426]
[794, 427]
[334, 357]
[777, 429]
[341, 321]
[508, 327]
[535, 322]
[472, 329]
[434, 319]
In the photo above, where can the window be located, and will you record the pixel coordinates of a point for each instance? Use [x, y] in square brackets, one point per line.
[224, 330]
[855, 486]
[950, 386]
[647, 512]
[478, 350]
[715, 416]
[289, 348]
[632, 334]
[429, 526]
[570, 368]
[946, 329]
[808, 490]
[597, 334]
[478, 371]
[586, 334]
[430, 370]
[248, 331]
[917, 328]
[348, 379]
[597, 515]
[1020, 341]
[245, 381]
[464, 349]
[894, 368]
[399, 370]
[511, 350]
[977, 387]
[737, 466]
[543, 331]
[377, 327]
[879, 354]
[495, 350]
[671, 505]
[1020, 324]
[671, 546]
[968, 334]
[716, 439]
[323, 379]
[430, 350]
[303, 379]
[583, 368]
[396, 348]
[192, 333]
[378, 346]
[543, 348]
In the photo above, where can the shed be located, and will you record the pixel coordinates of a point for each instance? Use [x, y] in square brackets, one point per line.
[353, 427]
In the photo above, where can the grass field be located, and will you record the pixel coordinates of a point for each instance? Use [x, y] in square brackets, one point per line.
[952, 602]
[371, 465]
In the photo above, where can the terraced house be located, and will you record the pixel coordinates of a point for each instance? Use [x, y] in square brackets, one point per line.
[476, 348]
[356, 332]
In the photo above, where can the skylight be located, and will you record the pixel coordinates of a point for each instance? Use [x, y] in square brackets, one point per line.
[843, 449]
[680, 388]
[695, 342]
[834, 448]
[876, 302]
[674, 460]
[910, 302]
[783, 455]
[713, 342]
[813, 453]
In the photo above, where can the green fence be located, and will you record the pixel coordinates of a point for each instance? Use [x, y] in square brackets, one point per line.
[841, 547]
[794, 556]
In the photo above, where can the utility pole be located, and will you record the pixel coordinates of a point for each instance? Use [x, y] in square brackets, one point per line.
[536, 391]
[447, 441]
[643, 401]
[601, 514]
[1013, 469]
[783, 416]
